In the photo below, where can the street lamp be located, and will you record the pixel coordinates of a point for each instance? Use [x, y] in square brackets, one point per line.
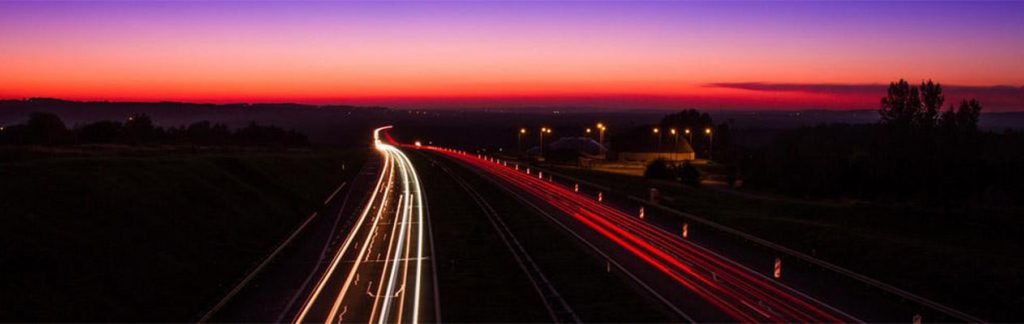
[689, 136]
[710, 140]
[543, 130]
[600, 131]
[657, 133]
[519, 138]
[675, 136]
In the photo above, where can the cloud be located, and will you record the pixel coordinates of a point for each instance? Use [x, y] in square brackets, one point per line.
[857, 88]
[998, 97]
[800, 87]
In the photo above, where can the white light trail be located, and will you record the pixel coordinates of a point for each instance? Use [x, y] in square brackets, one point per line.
[394, 272]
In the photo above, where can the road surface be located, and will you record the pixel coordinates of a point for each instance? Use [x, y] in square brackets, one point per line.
[734, 292]
[381, 271]
[364, 257]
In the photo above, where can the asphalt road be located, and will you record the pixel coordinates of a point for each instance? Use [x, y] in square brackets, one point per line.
[699, 284]
[269, 292]
[501, 261]
[370, 261]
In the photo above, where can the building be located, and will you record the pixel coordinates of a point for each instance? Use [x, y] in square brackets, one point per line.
[672, 153]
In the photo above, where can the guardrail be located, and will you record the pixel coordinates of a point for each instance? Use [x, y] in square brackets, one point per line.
[887, 288]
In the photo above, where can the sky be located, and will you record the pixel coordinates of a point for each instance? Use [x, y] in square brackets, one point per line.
[657, 54]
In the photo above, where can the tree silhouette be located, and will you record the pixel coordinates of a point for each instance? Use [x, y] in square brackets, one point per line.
[139, 129]
[901, 106]
[932, 100]
[689, 175]
[46, 129]
[964, 119]
[101, 132]
[658, 169]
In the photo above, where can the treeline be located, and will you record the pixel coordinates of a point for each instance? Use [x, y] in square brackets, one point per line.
[676, 131]
[916, 153]
[49, 129]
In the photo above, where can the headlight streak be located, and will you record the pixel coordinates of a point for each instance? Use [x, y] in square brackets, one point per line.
[736, 291]
[389, 302]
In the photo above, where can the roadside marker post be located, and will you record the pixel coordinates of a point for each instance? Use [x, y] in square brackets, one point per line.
[777, 271]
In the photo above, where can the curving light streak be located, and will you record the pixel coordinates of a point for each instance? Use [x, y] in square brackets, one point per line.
[736, 291]
[401, 209]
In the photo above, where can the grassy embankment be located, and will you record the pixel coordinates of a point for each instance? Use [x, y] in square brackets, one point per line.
[118, 234]
[971, 262]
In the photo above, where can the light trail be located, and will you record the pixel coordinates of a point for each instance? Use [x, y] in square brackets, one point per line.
[392, 223]
[736, 291]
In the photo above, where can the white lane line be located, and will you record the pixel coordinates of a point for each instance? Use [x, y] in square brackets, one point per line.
[248, 278]
[341, 251]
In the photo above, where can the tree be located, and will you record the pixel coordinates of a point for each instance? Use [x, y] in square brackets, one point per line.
[689, 175]
[139, 129]
[932, 100]
[688, 118]
[691, 119]
[47, 129]
[967, 115]
[901, 106]
[963, 119]
[104, 132]
[658, 169]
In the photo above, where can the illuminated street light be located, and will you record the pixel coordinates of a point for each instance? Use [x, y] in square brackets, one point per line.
[600, 131]
[710, 140]
[657, 132]
[543, 130]
[519, 139]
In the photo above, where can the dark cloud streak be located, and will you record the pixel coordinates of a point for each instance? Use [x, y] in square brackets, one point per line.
[856, 88]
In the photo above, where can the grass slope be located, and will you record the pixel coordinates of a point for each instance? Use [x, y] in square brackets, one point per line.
[158, 237]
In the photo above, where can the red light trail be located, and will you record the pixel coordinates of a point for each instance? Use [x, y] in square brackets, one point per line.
[738, 292]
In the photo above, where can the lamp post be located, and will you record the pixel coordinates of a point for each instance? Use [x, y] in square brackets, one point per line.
[543, 130]
[600, 132]
[519, 139]
[675, 141]
[711, 136]
[657, 133]
[689, 136]
[588, 131]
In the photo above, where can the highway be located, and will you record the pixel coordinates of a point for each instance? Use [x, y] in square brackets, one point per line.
[663, 262]
[381, 273]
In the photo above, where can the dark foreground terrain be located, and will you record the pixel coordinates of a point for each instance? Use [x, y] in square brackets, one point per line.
[147, 234]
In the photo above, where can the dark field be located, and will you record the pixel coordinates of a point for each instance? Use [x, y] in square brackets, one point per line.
[154, 234]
